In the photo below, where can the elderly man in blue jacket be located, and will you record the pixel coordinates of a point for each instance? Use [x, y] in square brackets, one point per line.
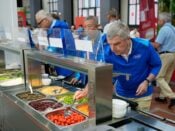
[58, 29]
[136, 57]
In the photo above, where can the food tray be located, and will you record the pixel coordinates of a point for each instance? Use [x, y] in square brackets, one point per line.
[11, 77]
[57, 117]
[27, 96]
[83, 108]
[45, 104]
[68, 99]
[52, 90]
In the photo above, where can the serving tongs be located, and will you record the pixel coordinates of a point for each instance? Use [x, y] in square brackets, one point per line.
[31, 89]
[57, 91]
[68, 111]
[52, 107]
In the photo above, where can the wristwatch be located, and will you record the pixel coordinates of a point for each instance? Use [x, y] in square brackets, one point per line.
[149, 82]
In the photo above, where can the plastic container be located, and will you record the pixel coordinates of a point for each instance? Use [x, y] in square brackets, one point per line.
[46, 81]
[119, 108]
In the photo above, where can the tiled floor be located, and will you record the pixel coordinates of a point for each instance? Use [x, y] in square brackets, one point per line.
[162, 109]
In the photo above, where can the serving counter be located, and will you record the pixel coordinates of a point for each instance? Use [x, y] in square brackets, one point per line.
[10, 78]
[100, 92]
[17, 114]
[17, 71]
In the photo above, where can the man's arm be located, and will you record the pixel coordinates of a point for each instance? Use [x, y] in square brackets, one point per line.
[144, 85]
[156, 45]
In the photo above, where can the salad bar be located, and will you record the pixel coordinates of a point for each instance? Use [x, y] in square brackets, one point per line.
[51, 106]
[45, 107]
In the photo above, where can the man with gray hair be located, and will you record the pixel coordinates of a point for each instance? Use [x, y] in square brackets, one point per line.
[165, 44]
[59, 29]
[45, 20]
[134, 56]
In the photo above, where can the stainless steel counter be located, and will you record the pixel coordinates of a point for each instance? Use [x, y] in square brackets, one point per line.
[18, 116]
[136, 121]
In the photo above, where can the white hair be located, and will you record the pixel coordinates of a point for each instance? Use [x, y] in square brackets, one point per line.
[165, 16]
[41, 14]
[118, 28]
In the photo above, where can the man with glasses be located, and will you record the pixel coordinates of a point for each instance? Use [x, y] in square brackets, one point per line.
[45, 20]
[58, 29]
[90, 33]
[134, 56]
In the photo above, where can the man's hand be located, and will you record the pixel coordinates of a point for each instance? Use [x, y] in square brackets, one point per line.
[142, 88]
[74, 81]
[81, 93]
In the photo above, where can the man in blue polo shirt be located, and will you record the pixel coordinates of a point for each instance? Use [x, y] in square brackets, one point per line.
[136, 57]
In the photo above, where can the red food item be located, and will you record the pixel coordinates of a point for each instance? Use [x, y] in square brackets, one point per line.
[59, 118]
[42, 105]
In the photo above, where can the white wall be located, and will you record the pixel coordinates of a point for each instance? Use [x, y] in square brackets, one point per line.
[75, 9]
[45, 5]
[124, 11]
[8, 16]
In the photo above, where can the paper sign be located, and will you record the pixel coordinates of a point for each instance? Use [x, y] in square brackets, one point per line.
[21, 39]
[42, 41]
[83, 45]
[8, 35]
[56, 42]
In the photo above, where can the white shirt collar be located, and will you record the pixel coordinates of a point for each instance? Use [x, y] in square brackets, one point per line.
[53, 23]
[126, 56]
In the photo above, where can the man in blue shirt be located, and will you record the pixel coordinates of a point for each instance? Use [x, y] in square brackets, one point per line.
[91, 33]
[135, 57]
[58, 29]
[165, 44]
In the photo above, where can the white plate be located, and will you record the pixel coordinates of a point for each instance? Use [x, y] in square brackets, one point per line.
[60, 77]
[12, 82]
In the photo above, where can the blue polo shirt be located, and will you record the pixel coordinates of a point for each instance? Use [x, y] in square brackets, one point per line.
[142, 61]
[166, 38]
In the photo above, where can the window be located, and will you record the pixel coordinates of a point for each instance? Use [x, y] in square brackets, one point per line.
[134, 12]
[89, 7]
[53, 6]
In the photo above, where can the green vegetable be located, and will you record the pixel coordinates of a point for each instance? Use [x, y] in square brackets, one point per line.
[68, 99]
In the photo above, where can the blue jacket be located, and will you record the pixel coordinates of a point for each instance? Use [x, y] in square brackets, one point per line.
[60, 29]
[96, 55]
[97, 48]
[142, 61]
